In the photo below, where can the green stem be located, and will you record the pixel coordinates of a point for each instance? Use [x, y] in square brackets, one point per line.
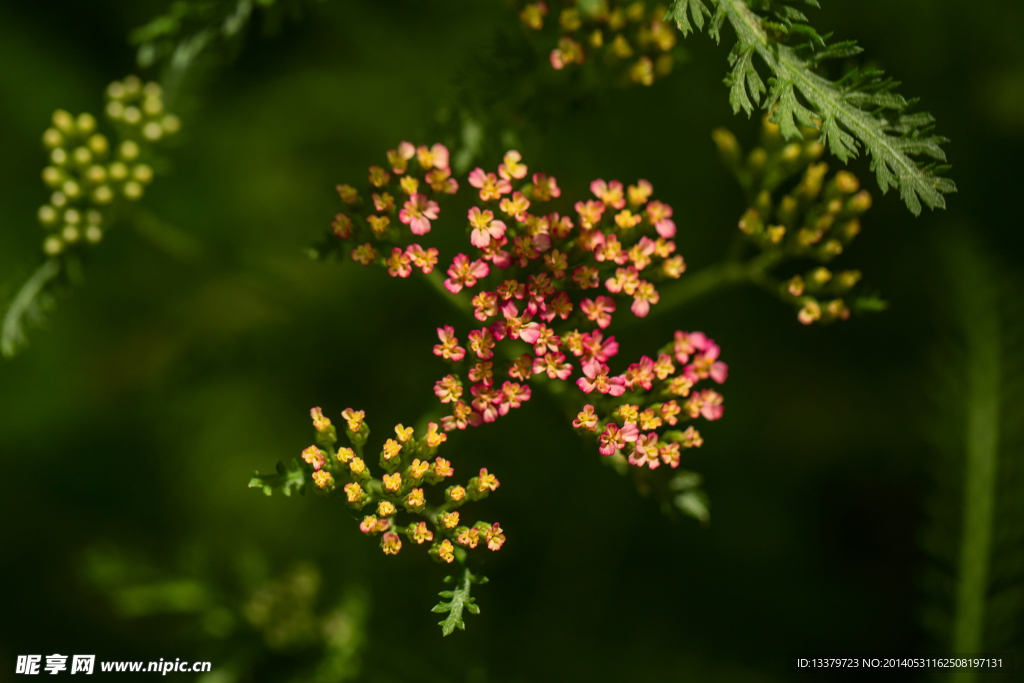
[978, 303]
[713, 278]
[460, 303]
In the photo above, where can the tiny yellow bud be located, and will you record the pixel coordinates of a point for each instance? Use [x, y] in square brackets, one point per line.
[59, 156]
[71, 189]
[53, 246]
[82, 156]
[96, 174]
[63, 120]
[47, 214]
[115, 110]
[52, 176]
[171, 124]
[98, 144]
[791, 152]
[93, 234]
[152, 89]
[132, 190]
[58, 199]
[118, 171]
[132, 85]
[143, 173]
[93, 216]
[152, 131]
[52, 138]
[115, 90]
[72, 216]
[132, 115]
[103, 195]
[70, 234]
[86, 123]
[128, 150]
[152, 106]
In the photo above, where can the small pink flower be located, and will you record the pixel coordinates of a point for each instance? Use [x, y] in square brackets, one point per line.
[596, 377]
[486, 402]
[660, 216]
[587, 419]
[590, 213]
[463, 273]
[599, 310]
[485, 228]
[489, 185]
[596, 347]
[554, 365]
[711, 404]
[486, 305]
[545, 187]
[647, 451]
[611, 439]
[417, 212]
[481, 342]
[448, 389]
[641, 252]
[644, 296]
[424, 259]
[399, 263]
[640, 374]
[609, 193]
[512, 168]
[522, 367]
[433, 157]
[449, 348]
[513, 396]
[625, 280]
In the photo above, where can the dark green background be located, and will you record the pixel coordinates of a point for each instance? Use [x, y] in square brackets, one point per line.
[138, 415]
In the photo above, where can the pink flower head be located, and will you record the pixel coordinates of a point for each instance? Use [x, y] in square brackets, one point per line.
[513, 395]
[640, 374]
[596, 377]
[644, 296]
[433, 157]
[590, 213]
[609, 193]
[545, 187]
[486, 401]
[464, 273]
[641, 252]
[596, 347]
[399, 263]
[512, 168]
[711, 404]
[646, 452]
[599, 310]
[484, 227]
[481, 342]
[522, 367]
[540, 286]
[417, 212]
[424, 259]
[486, 305]
[611, 439]
[660, 216]
[449, 348]
[625, 280]
[554, 365]
[516, 206]
[448, 389]
[639, 193]
[541, 336]
[561, 306]
[587, 419]
[489, 185]
[611, 250]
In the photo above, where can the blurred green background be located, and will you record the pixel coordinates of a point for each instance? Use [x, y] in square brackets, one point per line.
[130, 426]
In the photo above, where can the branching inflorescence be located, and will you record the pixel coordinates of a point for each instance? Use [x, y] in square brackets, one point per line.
[91, 177]
[543, 278]
[629, 36]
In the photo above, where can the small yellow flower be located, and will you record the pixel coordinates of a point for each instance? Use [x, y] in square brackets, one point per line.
[435, 439]
[414, 501]
[418, 469]
[393, 482]
[313, 456]
[648, 420]
[468, 537]
[320, 423]
[391, 543]
[379, 224]
[354, 492]
[410, 185]
[348, 194]
[391, 449]
[446, 551]
[378, 176]
[345, 454]
[386, 508]
[680, 386]
[357, 467]
[420, 533]
[626, 219]
[455, 493]
[443, 468]
[450, 519]
[403, 433]
[323, 479]
[629, 413]
[354, 418]
[487, 481]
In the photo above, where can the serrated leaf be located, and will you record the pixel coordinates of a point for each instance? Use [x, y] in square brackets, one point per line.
[27, 307]
[458, 600]
[696, 9]
[860, 110]
[288, 479]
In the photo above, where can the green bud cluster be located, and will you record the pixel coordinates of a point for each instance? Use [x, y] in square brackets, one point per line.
[89, 172]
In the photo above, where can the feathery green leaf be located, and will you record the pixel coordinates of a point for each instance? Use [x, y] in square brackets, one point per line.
[458, 600]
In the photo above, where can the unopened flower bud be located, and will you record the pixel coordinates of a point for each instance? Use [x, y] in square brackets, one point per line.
[53, 245]
[859, 203]
[810, 312]
[443, 551]
[63, 121]
[52, 138]
[128, 150]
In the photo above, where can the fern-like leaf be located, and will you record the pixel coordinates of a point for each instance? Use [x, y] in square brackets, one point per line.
[27, 307]
[458, 600]
[858, 112]
[288, 479]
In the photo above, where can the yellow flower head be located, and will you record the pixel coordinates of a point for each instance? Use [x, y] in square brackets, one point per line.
[354, 418]
[378, 176]
[348, 194]
[354, 492]
[446, 551]
[345, 454]
[629, 413]
[386, 508]
[320, 423]
[404, 433]
[443, 468]
[420, 533]
[410, 185]
[391, 543]
[639, 193]
[435, 438]
[418, 468]
[391, 449]
[323, 479]
[393, 482]
[313, 456]
[415, 499]
[357, 467]
[487, 481]
[450, 519]
[468, 537]
[455, 493]
[378, 224]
